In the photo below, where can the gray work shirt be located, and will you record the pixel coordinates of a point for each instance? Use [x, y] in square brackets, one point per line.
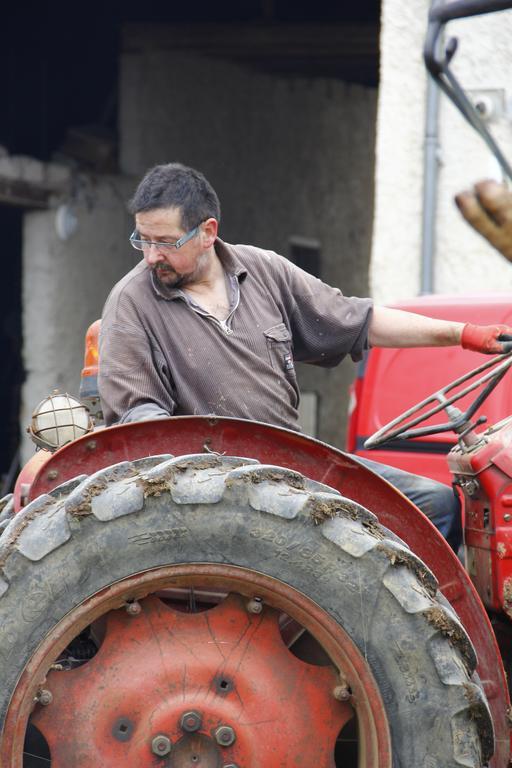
[161, 354]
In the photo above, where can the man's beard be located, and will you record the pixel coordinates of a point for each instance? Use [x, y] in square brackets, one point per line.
[168, 276]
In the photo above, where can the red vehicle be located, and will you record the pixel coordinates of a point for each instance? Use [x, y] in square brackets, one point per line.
[389, 378]
[226, 592]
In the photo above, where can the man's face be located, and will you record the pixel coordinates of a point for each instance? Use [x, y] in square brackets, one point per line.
[173, 267]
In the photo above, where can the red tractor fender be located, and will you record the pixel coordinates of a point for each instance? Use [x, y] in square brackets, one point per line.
[271, 445]
[25, 479]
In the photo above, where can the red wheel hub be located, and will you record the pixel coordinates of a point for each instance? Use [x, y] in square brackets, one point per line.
[216, 688]
[227, 665]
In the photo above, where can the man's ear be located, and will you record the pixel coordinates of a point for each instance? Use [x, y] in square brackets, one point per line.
[209, 228]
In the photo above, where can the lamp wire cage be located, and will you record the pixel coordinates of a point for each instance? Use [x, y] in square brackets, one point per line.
[59, 419]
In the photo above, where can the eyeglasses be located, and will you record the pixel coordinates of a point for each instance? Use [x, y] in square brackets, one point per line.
[145, 245]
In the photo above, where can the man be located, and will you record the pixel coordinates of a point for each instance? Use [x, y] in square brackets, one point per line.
[203, 327]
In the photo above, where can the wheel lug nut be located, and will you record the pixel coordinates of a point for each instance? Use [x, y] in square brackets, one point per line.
[341, 692]
[161, 745]
[133, 608]
[225, 736]
[191, 721]
[255, 605]
[44, 697]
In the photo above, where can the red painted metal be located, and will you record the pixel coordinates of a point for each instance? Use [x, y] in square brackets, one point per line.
[487, 475]
[189, 434]
[26, 477]
[155, 666]
[230, 666]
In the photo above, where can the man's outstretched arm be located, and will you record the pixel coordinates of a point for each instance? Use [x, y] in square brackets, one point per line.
[396, 328]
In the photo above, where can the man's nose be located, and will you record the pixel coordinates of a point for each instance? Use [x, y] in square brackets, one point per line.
[153, 255]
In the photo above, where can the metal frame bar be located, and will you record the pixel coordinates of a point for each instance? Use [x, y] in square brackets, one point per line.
[438, 57]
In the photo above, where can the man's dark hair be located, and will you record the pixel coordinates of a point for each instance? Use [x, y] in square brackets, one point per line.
[176, 186]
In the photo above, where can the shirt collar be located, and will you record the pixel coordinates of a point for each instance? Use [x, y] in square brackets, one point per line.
[228, 259]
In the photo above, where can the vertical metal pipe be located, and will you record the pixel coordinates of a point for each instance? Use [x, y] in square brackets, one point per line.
[430, 174]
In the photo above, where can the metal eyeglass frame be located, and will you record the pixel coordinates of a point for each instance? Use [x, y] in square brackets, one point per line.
[141, 245]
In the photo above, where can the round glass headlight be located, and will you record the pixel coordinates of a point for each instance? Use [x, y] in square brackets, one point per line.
[57, 420]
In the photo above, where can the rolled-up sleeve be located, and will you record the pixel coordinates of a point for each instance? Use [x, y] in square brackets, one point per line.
[326, 325]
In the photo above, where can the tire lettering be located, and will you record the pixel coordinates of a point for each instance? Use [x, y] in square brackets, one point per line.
[159, 537]
[409, 673]
[296, 553]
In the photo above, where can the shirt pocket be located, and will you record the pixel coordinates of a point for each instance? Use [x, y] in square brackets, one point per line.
[279, 346]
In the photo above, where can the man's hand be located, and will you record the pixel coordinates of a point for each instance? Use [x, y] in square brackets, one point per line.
[488, 208]
[489, 339]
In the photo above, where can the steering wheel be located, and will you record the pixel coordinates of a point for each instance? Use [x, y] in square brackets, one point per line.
[405, 425]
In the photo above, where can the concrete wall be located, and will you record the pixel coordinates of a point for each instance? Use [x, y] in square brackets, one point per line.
[288, 157]
[65, 283]
[464, 261]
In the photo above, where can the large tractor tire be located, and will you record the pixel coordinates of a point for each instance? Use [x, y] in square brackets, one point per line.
[212, 611]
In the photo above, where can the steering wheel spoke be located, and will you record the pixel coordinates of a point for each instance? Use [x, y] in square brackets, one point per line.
[406, 427]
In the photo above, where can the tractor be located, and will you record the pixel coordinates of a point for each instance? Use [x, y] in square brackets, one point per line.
[220, 593]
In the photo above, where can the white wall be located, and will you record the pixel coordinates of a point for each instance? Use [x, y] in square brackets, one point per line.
[464, 262]
[399, 152]
[65, 283]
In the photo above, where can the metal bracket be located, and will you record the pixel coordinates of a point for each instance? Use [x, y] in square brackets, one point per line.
[438, 57]
[490, 103]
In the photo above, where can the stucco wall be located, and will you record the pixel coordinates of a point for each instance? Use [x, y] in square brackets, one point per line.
[65, 283]
[463, 262]
[288, 157]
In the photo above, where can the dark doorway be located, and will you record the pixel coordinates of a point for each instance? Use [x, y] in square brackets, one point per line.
[11, 368]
